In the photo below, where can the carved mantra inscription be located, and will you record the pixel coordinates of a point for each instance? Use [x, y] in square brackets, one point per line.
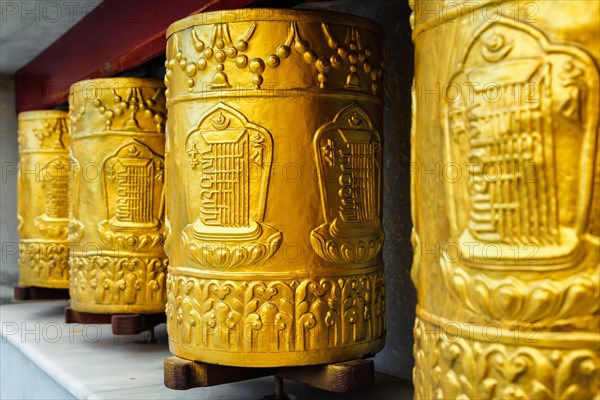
[133, 189]
[54, 176]
[516, 103]
[519, 117]
[54, 180]
[229, 160]
[348, 155]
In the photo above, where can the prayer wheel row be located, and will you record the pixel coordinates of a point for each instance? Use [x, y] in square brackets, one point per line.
[117, 262]
[267, 190]
[266, 194]
[91, 200]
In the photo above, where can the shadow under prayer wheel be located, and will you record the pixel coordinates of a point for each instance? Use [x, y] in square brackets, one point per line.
[43, 185]
[507, 235]
[274, 188]
[116, 223]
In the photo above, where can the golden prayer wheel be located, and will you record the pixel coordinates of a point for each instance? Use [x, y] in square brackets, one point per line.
[42, 205]
[506, 197]
[116, 223]
[274, 187]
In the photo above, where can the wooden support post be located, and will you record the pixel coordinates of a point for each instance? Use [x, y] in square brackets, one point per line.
[343, 377]
[181, 374]
[40, 293]
[122, 324]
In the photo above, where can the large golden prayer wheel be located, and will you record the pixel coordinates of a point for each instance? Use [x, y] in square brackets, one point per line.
[116, 224]
[42, 199]
[274, 188]
[506, 197]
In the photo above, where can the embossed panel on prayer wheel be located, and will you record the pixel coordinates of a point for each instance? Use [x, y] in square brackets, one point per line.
[506, 199]
[42, 205]
[274, 188]
[116, 223]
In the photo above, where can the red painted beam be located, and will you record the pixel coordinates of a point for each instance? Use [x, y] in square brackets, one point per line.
[115, 36]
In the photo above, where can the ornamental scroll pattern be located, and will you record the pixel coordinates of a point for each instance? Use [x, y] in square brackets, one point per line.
[52, 134]
[133, 180]
[133, 280]
[120, 108]
[229, 162]
[348, 154]
[360, 68]
[457, 368]
[546, 302]
[43, 262]
[270, 316]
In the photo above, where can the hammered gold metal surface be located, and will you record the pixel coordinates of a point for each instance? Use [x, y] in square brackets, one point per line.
[42, 198]
[505, 199]
[116, 222]
[274, 184]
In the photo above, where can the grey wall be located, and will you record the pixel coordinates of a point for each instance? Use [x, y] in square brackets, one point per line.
[8, 188]
[396, 358]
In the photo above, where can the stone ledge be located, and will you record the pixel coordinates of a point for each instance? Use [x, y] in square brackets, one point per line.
[89, 362]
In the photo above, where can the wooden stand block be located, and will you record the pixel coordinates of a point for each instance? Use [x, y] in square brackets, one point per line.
[40, 293]
[134, 324]
[343, 377]
[182, 374]
[122, 324]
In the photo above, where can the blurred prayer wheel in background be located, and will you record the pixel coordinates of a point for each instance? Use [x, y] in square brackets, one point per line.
[42, 204]
[274, 187]
[116, 223]
[507, 233]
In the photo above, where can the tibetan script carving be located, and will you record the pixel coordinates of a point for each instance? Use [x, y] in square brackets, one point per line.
[229, 160]
[348, 152]
[510, 135]
[54, 177]
[133, 184]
